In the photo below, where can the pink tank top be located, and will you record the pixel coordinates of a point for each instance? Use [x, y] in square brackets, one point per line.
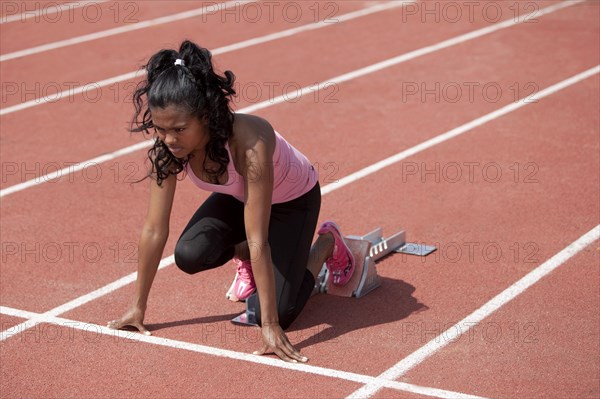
[293, 175]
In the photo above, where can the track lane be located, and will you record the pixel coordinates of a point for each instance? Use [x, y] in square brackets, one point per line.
[453, 215]
[51, 26]
[47, 73]
[543, 344]
[393, 394]
[391, 122]
[8, 11]
[9, 321]
[71, 125]
[59, 117]
[109, 361]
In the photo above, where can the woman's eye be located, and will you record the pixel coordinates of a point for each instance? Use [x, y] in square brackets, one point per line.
[179, 130]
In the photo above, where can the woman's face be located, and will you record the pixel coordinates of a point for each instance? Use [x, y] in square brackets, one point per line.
[182, 132]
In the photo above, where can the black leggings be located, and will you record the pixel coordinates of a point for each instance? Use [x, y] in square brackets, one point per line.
[218, 225]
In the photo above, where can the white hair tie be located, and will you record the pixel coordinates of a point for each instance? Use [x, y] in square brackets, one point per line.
[179, 61]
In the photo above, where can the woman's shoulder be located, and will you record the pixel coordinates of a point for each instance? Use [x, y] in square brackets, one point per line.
[250, 131]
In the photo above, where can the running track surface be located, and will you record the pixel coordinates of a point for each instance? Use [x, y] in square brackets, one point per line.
[506, 201]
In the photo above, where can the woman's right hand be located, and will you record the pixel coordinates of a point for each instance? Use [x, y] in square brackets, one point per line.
[134, 317]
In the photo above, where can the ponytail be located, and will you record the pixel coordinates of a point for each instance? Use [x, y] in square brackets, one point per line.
[193, 86]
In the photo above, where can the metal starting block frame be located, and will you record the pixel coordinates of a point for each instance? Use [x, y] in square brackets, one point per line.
[367, 250]
[248, 318]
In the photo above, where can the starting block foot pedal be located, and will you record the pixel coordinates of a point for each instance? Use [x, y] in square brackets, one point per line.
[364, 279]
[367, 250]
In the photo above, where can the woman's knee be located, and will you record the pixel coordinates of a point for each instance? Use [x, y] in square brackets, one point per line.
[192, 257]
[203, 246]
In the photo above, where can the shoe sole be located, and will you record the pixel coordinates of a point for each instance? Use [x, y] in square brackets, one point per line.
[231, 296]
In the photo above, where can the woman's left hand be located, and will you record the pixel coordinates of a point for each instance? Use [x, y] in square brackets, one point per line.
[274, 339]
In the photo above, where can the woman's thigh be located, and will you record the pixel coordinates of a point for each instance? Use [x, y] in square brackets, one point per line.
[209, 238]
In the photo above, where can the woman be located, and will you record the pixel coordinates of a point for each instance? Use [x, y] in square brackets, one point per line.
[264, 207]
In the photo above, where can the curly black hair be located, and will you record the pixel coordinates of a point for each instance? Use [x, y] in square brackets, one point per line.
[194, 87]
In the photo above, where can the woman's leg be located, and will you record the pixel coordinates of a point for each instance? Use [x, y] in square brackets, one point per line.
[291, 230]
[320, 251]
[210, 237]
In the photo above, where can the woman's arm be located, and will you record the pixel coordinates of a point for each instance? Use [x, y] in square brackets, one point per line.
[150, 249]
[257, 212]
[256, 148]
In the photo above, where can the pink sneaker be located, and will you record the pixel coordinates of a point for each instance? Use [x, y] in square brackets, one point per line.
[341, 263]
[243, 284]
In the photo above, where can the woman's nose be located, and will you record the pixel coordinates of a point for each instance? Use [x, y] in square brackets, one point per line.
[169, 139]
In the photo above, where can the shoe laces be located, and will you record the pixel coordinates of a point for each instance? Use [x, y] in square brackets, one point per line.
[340, 263]
[340, 267]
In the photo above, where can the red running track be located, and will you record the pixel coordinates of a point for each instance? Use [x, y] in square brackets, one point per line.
[542, 344]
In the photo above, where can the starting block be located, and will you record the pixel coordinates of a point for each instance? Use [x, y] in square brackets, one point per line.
[367, 250]
[248, 318]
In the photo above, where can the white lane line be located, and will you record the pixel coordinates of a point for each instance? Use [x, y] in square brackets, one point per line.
[24, 314]
[73, 168]
[315, 25]
[453, 333]
[298, 93]
[79, 301]
[48, 11]
[240, 356]
[69, 93]
[123, 29]
[459, 130]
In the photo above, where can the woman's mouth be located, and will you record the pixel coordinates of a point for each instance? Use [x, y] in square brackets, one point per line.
[175, 150]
